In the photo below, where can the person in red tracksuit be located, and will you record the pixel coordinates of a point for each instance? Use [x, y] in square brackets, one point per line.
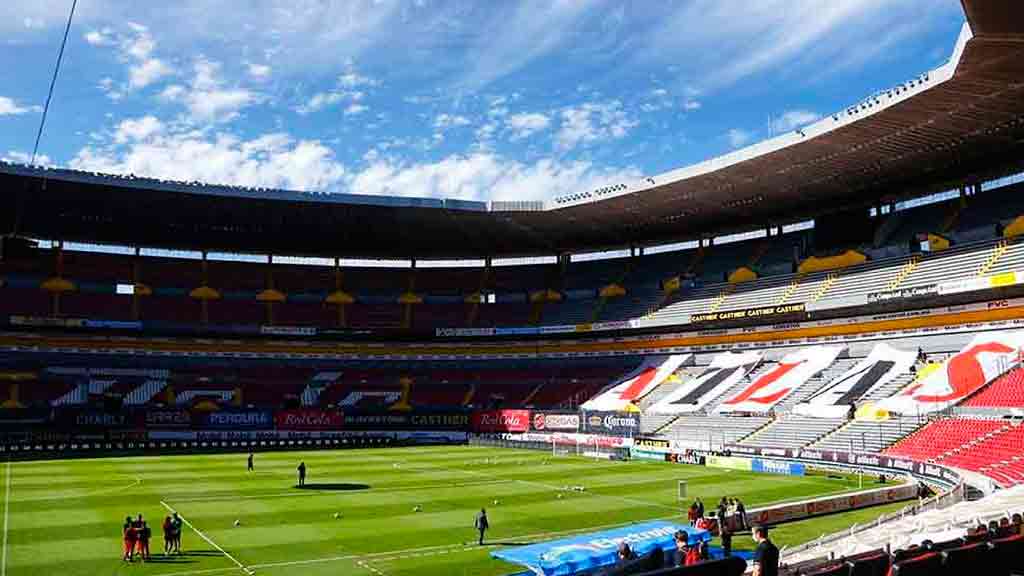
[128, 534]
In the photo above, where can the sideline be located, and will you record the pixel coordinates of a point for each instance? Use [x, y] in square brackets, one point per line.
[207, 539]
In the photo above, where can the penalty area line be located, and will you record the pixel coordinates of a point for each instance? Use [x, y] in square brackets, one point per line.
[208, 540]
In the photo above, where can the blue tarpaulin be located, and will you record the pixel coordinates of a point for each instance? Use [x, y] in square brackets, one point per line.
[569, 556]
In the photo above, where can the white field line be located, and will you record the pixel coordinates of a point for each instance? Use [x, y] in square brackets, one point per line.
[241, 566]
[7, 517]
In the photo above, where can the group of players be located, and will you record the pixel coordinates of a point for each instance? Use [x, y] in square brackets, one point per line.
[137, 534]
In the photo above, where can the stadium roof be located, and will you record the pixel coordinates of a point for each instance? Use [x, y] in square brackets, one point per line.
[962, 122]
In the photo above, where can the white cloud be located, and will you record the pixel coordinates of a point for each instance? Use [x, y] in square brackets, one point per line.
[137, 129]
[352, 79]
[147, 72]
[483, 176]
[792, 119]
[9, 107]
[259, 71]
[446, 121]
[18, 157]
[593, 122]
[319, 101]
[354, 109]
[207, 98]
[273, 160]
[525, 124]
[103, 37]
[738, 138]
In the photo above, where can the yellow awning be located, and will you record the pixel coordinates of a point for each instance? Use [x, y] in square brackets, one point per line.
[613, 291]
[57, 285]
[271, 295]
[742, 274]
[339, 297]
[204, 293]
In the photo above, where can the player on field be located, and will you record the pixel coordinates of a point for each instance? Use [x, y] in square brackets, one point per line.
[176, 532]
[168, 535]
[128, 534]
[144, 535]
[302, 473]
[251, 468]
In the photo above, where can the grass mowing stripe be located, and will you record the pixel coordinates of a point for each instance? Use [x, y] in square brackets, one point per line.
[7, 517]
[207, 539]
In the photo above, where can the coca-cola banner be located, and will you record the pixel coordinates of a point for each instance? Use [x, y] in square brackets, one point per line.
[501, 421]
[235, 419]
[308, 419]
[612, 423]
[164, 419]
[555, 421]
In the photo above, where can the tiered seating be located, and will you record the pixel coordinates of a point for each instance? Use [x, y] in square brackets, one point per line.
[793, 431]
[998, 456]
[437, 393]
[1011, 261]
[1005, 392]
[705, 431]
[942, 436]
[868, 436]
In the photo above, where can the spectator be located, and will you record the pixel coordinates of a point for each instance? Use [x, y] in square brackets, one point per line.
[685, 555]
[741, 513]
[176, 524]
[766, 555]
[691, 514]
[625, 553]
[726, 535]
[993, 528]
[700, 508]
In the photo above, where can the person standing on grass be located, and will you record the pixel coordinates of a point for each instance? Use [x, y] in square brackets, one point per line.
[302, 473]
[766, 556]
[176, 532]
[251, 468]
[168, 535]
[144, 535]
[481, 524]
[128, 535]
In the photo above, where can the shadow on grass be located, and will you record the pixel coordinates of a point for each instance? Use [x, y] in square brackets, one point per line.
[189, 557]
[333, 486]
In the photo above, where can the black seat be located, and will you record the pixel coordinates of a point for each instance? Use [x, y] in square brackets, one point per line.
[928, 564]
[874, 563]
[966, 559]
[1006, 556]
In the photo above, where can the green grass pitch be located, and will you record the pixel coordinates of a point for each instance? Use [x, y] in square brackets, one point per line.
[64, 517]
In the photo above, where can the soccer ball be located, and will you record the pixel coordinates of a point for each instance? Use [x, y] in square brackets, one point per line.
[496, 502]
[238, 523]
[337, 515]
[417, 508]
[559, 496]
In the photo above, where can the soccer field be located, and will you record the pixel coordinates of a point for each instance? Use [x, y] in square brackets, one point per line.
[64, 517]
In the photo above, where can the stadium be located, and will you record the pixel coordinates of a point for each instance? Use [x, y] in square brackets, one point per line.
[821, 333]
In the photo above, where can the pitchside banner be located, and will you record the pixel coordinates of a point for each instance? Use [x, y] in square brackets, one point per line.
[407, 421]
[555, 421]
[725, 371]
[611, 423]
[234, 420]
[501, 421]
[837, 398]
[772, 387]
[164, 419]
[638, 383]
[983, 360]
[79, 418]
[308, 419]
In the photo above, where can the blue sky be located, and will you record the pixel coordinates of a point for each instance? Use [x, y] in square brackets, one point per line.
[444, 98]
